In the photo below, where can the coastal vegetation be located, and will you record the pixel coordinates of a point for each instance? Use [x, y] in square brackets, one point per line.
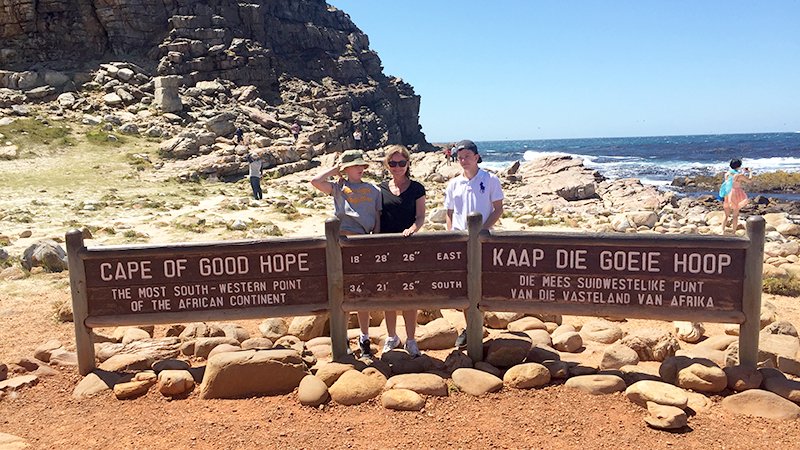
[781, 286]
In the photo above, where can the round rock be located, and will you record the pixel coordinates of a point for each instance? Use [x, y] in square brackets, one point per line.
[568, 341]
[312, 391]
[402, 400]
[786, 388]
[659, 392]
[601, 331]
[760, 403]
[665, 417]
[742, 378]
[354, 387]
[597, 384]
[527, 376]
[476, 382]
[421, 383]
[618, 355]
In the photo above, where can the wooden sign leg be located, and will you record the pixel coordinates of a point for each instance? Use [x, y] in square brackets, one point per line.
[338, 318]
[474, 315]
[80, 305]
[751, 295]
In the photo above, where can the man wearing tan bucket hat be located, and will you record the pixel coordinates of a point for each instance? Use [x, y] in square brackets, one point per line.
[357, 205]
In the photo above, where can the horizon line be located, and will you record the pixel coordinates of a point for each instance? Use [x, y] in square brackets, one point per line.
[619, 137]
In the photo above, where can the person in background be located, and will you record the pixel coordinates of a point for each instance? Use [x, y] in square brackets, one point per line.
[256, 165]
[448, 154]
[403, 212]
[357, 204]
[357, 138]
[454, 153]
[733, 195]
[296, 128]
[238, 137]
[475, 190]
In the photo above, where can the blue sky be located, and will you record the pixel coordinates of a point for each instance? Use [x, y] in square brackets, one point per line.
[496, 70]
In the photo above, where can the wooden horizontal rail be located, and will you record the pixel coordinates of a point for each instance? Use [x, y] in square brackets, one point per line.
[192, 248]
[205, 316]
[620, 312]
[615, 239]
[401, 305]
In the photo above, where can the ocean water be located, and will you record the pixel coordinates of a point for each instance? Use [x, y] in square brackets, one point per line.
[657, 160]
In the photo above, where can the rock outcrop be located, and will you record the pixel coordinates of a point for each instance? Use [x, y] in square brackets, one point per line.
[299, 61]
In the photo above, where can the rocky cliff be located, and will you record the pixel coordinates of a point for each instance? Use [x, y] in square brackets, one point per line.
[295, 60]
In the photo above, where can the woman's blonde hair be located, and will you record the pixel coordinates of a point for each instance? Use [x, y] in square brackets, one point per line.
[395, 149]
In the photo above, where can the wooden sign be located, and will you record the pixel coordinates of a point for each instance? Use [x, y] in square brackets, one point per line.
[627, 278]
[401, 269]
[197, 278]
[641, 276]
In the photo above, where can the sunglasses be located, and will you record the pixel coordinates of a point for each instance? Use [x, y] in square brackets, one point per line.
[397, 163]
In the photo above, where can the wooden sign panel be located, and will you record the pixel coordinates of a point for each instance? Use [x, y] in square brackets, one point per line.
[614, 276]
[196, 278]
[408, 269]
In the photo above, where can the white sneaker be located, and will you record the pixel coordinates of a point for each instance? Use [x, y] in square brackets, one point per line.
[391, 344]
[411, 348]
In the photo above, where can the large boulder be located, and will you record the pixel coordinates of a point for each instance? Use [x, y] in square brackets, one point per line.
[251, 373]
[402, 400]
[760, 403]
[308, 327]
[47, 254]
[651, 344]
[508, 349]
[597, 384]
[438, 334]
[527, 376]
[421, 383]
[476, 382]
[697, 374]
[659, 392]
[312, 391]
[618, 355]
[601, 331]
[355, 387]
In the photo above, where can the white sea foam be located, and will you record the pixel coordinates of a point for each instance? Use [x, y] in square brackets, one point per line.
[530, 155]
[496, 166]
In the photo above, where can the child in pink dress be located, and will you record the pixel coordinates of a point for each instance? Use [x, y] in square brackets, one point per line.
[733, 196]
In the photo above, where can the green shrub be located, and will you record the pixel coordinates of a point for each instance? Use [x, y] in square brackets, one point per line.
[24, 132]
[779, 286]
[99, 137]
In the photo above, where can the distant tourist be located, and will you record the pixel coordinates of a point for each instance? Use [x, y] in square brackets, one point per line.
[256, 165]
[296, 128]
[403, 212]
[357, 204]
[238, 136]
[732, 194]
[475, 190]
[448, 154]
[357, 138]
[454, 153]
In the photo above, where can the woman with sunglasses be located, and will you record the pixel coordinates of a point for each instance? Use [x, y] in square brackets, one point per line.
[403, 212]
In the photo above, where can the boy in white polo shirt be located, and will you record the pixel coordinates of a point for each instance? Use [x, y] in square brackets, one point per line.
[475, 190]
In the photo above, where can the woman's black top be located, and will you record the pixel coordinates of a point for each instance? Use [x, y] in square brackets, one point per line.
[399, 212]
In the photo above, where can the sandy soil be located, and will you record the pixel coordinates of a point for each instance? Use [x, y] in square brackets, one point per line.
[46, 416]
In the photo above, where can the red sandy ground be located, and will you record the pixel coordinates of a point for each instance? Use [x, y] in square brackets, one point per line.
[554, 417]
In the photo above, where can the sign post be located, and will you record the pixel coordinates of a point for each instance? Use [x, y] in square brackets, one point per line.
[338, 317]
[473, 314]
[753, 266]
[80, 306]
